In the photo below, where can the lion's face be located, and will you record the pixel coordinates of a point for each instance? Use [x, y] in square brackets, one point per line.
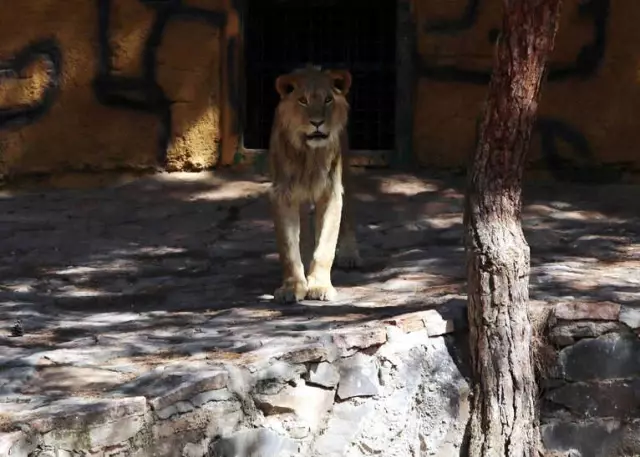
[313, 110]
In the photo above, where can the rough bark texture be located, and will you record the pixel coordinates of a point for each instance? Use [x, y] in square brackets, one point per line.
[504, 419]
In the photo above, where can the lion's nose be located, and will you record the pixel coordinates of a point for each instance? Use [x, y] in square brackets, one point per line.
[317, 123]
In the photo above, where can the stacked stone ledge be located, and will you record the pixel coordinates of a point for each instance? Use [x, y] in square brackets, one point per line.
[394, 386]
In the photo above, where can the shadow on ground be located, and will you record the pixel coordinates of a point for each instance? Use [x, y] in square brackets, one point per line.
[108, 283]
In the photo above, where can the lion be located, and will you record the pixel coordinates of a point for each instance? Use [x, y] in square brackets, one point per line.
[307, 153]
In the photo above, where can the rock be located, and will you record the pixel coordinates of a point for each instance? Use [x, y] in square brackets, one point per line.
[424, 400]
[308, 403]
[630, 439]
[195, 449]
[271, 378]
[350, 340]
[566, 333]
[212, 395]
[83, 424]
[612, 399]
[594, 438]
[610, 356]
[87, 356]
[407, 323]
[168, 437]
[630, 316]
[253, 443]
[171, 384]
[16, 444]
[98, 436]
[312, 352]
[436, 324]
[342, 429]
[323, 374]
[358, 376]
[179, 407]
[60, 380]
[576, 310]
[80, 413]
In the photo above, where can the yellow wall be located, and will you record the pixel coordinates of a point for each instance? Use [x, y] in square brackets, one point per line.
[80, 126]
[71, 112]
[587, 118]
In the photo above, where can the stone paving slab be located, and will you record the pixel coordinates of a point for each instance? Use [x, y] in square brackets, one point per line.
[151, 294]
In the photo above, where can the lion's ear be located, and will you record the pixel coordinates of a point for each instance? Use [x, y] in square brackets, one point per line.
[285, 84]
[341, 80]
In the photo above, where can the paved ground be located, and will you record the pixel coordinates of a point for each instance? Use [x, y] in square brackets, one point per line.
[110, 283]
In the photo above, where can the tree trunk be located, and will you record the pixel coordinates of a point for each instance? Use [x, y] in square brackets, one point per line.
[504, 418]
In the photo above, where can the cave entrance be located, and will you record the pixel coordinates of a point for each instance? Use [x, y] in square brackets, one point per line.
[359, 35]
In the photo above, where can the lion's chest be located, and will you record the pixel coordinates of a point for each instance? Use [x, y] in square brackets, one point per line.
[308, 177]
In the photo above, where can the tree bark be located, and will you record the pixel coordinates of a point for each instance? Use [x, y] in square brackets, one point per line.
[504, 418]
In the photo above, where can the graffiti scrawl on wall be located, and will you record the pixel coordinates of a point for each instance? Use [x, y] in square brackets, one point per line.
[144, 93]
[47, 51]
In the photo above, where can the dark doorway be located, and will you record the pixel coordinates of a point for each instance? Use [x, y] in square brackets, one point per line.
[359, 35]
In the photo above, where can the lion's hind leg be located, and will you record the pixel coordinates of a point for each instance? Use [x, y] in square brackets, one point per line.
[348, 254]
[307, 234]
[286, 217]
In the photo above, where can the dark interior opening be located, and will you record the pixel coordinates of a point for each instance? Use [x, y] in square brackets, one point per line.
[359, 35]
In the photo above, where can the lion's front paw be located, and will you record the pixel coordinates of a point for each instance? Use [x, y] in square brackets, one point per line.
[291, 291]
[320, 290]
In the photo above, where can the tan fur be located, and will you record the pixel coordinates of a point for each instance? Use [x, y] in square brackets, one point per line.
[307, 151]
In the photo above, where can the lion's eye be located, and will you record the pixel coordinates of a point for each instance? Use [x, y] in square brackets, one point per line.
[303, 100]
[328, 100]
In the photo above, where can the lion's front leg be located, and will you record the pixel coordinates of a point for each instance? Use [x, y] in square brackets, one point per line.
[286, 217]
[327, 225]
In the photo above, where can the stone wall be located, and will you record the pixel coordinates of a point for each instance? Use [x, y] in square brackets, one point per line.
[395, 387]
[591, 401]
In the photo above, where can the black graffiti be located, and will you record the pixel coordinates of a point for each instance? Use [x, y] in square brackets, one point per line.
[49, 52]
[587, 61]
[590, 56]
[580, 166]
[144, 93]
[450, 26]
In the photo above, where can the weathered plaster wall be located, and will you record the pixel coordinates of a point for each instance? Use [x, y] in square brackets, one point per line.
[589, 111]
[108, 84]
[112, 84]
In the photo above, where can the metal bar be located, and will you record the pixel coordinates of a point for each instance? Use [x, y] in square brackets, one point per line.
[405, 83]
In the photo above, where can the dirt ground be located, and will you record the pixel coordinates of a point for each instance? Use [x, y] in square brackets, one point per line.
[110, 282]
